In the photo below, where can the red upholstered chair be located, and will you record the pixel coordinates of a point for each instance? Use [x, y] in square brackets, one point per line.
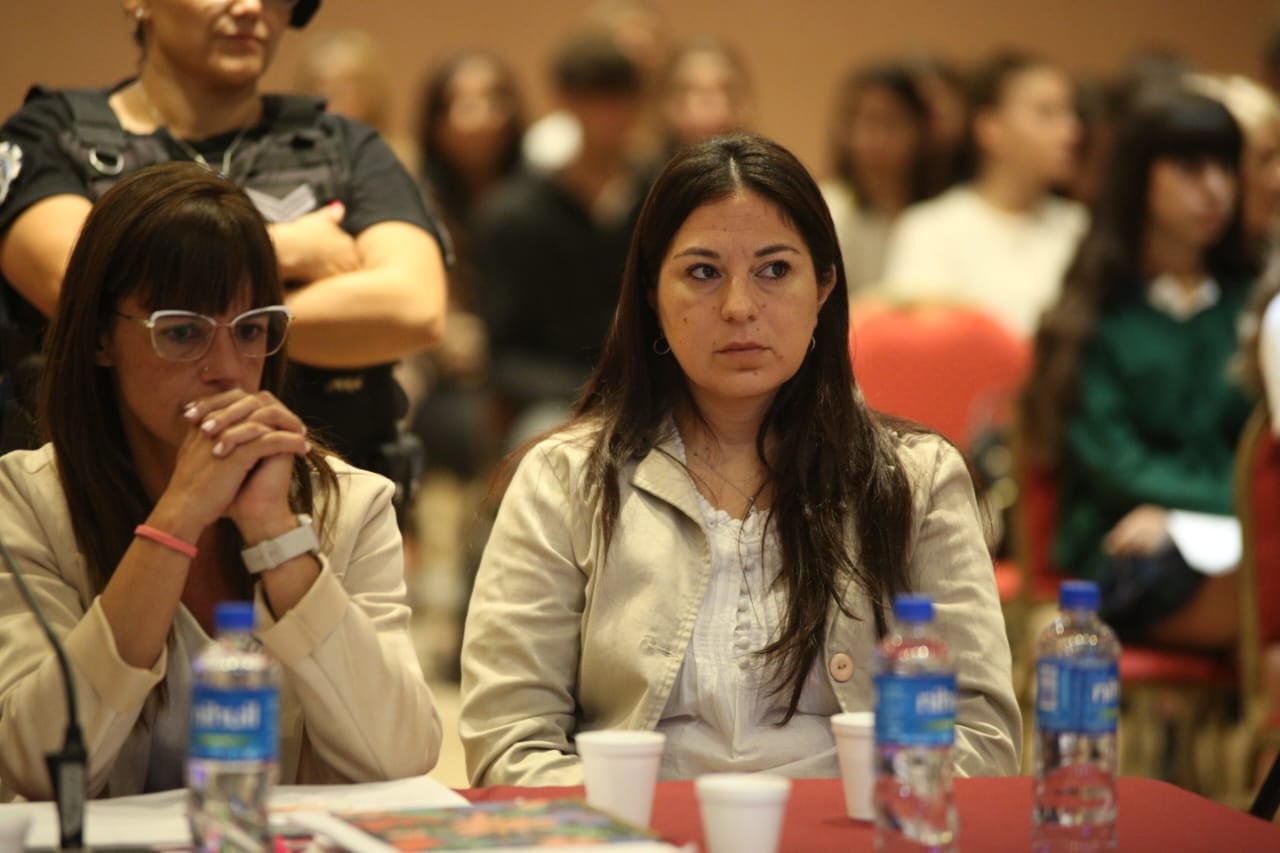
[1258, 506]
[1205, 682]
[952, 368]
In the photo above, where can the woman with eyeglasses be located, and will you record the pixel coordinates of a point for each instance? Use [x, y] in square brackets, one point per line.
[358, 250]
[174, 479]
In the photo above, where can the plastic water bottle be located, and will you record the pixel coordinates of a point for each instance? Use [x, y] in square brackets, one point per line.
[235, 735]
[1077, 707]
[915, 733]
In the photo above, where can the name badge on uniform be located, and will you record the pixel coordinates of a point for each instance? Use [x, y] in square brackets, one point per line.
[299, 202]
[10, 166]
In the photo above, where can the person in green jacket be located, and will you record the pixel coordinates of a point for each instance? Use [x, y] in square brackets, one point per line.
[1131, 398]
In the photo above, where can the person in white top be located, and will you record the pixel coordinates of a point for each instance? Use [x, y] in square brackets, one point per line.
[1002, 240]
[710, 548]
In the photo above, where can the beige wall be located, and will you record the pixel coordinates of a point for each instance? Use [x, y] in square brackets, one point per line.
[796, 50]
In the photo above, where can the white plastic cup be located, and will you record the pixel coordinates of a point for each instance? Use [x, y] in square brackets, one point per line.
[742, 812]
[621, 769]
[13, 832]
[855, 734]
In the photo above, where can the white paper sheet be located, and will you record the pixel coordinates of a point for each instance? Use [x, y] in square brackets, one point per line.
[1211, 544]
[161, 819]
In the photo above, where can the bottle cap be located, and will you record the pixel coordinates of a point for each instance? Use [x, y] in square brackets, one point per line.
[1078, 595]
[233, 616]
[913, 608]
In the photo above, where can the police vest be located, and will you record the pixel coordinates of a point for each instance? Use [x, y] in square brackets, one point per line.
[294, 165]
[295, 152]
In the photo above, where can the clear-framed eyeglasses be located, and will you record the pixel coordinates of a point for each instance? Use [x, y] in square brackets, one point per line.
[187, 336]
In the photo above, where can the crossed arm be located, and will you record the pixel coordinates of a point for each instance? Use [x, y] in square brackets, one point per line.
[365, 300]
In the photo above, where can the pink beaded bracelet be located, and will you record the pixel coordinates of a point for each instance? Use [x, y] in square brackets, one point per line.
[146, 531]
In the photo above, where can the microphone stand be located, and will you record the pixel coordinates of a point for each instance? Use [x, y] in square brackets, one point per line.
[1268, 798]
[68, 766]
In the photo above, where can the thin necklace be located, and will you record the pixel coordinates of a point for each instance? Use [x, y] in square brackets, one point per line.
[730, 483]
[186, 147]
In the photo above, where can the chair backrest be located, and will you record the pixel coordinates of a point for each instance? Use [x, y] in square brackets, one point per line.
[1258, 506]
[952, 368]
[1036, 514]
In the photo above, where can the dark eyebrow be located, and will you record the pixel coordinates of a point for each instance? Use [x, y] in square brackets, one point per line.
[777, 247]
[697, 252]
[700, 252]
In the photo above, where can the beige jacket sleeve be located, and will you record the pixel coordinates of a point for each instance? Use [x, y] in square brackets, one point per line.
[367, 712]
[33, 708]
[950, 563]
[523, 635]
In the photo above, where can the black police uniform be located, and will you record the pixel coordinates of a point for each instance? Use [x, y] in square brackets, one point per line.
[298, 159]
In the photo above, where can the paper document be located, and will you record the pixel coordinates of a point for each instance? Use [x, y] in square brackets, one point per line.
[1211, 544]
[149, 820]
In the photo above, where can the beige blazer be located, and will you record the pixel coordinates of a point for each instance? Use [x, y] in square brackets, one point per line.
[562, 638]
[353, 704]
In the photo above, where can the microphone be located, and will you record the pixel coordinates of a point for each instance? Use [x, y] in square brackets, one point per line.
[68, 766]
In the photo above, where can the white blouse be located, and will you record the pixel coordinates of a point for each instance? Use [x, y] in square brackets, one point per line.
[722, 714]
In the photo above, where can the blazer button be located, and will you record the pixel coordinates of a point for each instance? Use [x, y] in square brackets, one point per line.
[841, 667]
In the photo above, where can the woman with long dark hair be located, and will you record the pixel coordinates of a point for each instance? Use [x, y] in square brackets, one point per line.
[881, 163]
[469, 136]
[1131, 396]
[469, 131]
[711, 546]
[174, 479]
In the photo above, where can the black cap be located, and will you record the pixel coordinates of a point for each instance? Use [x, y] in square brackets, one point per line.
[302, 12]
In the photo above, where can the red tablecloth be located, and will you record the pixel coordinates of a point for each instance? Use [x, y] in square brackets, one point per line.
[995, 815]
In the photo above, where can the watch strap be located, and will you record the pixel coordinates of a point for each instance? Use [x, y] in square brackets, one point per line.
[271, 553]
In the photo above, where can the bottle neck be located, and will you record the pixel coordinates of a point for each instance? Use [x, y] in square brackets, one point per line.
[1079, 614]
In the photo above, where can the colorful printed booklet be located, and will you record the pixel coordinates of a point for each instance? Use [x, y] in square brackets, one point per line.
[517, 826]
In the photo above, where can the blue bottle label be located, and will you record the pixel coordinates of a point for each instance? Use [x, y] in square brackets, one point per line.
[236, 724]
[1075, 695]
[916, 710]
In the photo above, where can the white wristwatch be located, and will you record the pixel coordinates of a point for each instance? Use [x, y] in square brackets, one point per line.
[274, 552]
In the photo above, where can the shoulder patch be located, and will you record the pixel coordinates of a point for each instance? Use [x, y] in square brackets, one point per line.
[10, 166]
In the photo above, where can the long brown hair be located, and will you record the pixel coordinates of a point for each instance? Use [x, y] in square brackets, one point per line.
[1107, 270]
[174, 236]
[897, 81]
[834, 465]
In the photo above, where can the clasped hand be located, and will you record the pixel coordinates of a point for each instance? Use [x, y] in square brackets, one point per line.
[237, 459]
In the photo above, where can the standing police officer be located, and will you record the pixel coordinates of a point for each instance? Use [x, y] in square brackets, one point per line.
[361, 253]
